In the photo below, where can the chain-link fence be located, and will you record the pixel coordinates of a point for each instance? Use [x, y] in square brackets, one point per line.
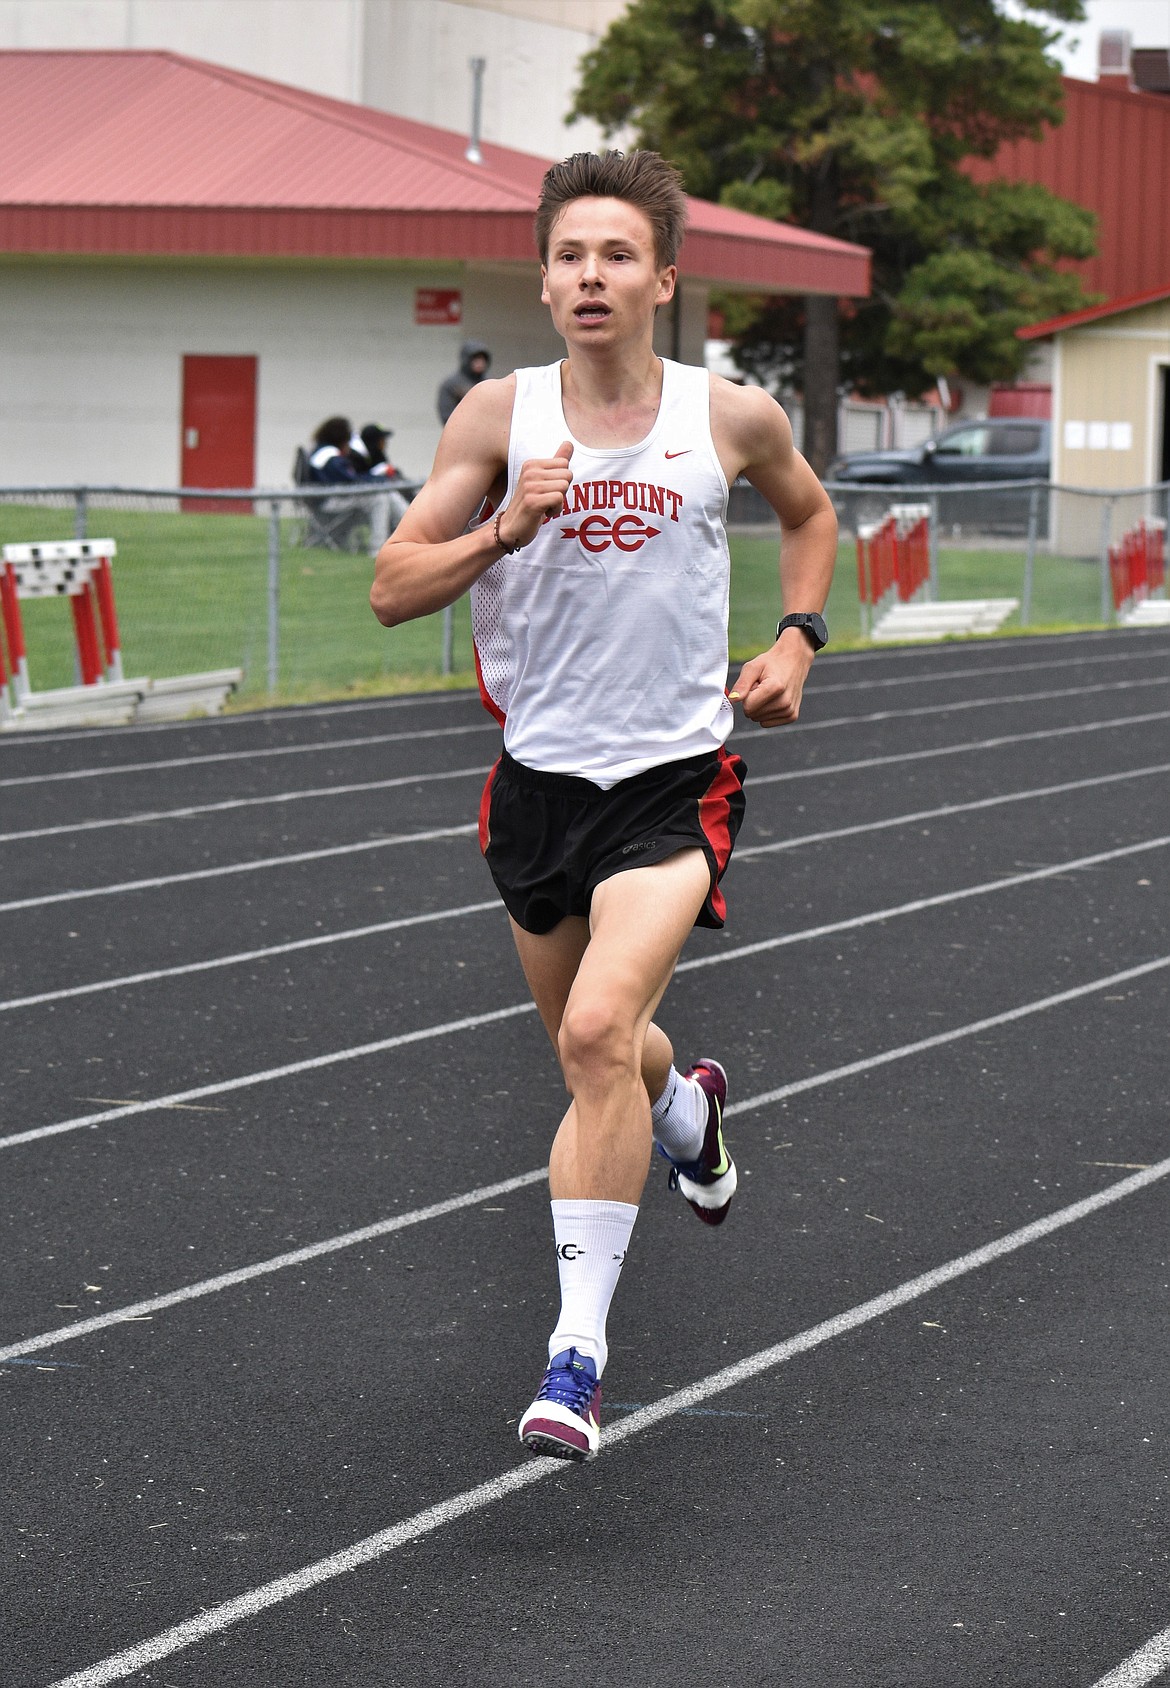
[276, 582]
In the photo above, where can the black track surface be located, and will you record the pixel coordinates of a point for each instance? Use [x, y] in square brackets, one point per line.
[968, 1491]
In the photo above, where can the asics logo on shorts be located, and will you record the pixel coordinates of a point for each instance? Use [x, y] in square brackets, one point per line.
[597, 533]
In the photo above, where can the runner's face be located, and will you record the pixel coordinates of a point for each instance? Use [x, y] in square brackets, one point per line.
[603, 280]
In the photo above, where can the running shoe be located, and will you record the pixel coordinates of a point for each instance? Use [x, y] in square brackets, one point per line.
[708, 1182]
[565, 1418]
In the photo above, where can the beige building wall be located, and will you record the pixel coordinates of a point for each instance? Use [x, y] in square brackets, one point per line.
[1107, 399]
[1109, 415]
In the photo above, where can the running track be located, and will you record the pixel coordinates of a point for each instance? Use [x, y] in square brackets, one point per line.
[277, 1274]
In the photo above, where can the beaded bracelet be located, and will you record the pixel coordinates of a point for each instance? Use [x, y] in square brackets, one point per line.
[508, 550]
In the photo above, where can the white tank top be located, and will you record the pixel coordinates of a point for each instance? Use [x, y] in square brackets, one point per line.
[602, 645]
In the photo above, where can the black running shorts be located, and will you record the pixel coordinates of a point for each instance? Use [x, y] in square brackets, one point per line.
[550, 839]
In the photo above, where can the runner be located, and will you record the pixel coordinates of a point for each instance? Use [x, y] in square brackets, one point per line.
[583, 505]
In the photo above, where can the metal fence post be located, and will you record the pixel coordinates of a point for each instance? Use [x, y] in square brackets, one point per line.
[448, 661]
[934, 549]
[273, 596]
[80, 513]
[1030, 556]
[1106, 531]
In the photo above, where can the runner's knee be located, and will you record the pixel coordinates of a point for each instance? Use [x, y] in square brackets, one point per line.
[595, 1044]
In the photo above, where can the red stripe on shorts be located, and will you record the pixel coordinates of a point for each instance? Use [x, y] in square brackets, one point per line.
[715, 820]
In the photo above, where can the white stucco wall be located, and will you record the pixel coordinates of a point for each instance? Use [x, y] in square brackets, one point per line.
[91, 356]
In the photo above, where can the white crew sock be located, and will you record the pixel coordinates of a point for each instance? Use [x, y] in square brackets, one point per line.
[679, 1117]
[591, 1238]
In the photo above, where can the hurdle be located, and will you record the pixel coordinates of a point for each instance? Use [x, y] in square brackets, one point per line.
[77, 569]
[893, 561]
[893, 582]
[81, 570]
[1137, 574]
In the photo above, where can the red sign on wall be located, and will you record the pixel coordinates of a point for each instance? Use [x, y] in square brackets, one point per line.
[440, 305]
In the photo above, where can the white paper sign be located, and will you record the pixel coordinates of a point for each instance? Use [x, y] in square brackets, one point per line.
[1098, 436]
[1074, 436]
[1121, 436]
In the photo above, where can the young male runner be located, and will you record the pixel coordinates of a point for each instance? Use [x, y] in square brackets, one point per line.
[599, 579]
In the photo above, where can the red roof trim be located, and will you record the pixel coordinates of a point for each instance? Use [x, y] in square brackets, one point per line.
[171, 156]
[1092, 313]
[266, 232]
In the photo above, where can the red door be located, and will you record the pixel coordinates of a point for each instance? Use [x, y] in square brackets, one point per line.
[219, 427]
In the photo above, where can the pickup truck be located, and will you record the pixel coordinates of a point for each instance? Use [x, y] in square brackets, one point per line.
[1003, 448]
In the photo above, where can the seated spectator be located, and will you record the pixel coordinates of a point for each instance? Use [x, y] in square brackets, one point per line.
[331, 461]
[373, 440]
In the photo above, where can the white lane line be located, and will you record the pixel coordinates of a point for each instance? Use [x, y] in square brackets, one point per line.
[224, 1087]
[214, 1620]
[424, 700]
[966, 703]
[242, 956]
[997, 743]
[817, 772]
[1005, 701]
[321, 748]
[331, 1245]
[221, 1087]
[278, 1263]
[289, 714]
[480, 771]
[973, 671]
[1141, 1667]
[194, 809]
[856, 922]
[938, 1040]
[942, 812]
[256, 866]
[816, 687]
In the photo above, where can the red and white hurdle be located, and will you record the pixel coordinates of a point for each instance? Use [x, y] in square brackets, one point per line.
[1137, 573]
[77, 569]
[894, 583]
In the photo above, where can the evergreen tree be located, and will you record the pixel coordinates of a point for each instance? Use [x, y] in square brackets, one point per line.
[853, 118]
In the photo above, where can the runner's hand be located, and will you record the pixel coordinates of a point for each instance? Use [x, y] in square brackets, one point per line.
[540, 493]
[770, 686]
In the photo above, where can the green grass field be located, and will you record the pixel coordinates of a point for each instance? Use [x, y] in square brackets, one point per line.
[192, 594]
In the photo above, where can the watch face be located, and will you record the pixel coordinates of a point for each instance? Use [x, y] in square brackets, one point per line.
[812, 624]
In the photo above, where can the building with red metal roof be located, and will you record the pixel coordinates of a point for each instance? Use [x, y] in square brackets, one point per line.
[1111, 391]
[156, 211]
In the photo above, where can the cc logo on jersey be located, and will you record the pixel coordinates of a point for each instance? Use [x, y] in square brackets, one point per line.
[597, 533]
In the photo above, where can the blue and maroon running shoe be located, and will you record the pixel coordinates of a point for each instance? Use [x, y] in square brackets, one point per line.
[709, 1181]
[565, 1418]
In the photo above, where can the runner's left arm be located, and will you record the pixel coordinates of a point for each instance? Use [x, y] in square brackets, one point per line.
[754, 438]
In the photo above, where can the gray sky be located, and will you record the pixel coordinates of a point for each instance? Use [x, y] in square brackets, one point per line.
[1148, 21]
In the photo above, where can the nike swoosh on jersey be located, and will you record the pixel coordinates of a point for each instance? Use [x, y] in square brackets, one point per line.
[669, 454]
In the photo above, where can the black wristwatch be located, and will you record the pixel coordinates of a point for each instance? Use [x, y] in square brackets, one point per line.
[811, 625]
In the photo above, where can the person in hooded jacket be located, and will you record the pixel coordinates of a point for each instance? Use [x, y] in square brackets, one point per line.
[474, 362]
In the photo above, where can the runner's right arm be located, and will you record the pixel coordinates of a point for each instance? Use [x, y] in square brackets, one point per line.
[430, 560]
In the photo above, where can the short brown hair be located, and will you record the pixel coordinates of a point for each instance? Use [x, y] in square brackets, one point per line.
[643, 179]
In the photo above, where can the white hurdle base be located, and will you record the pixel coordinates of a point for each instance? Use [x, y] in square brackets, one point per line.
[110, 704]
[1149, 612]
[935, 621]
[181, 695]
[115, 703]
